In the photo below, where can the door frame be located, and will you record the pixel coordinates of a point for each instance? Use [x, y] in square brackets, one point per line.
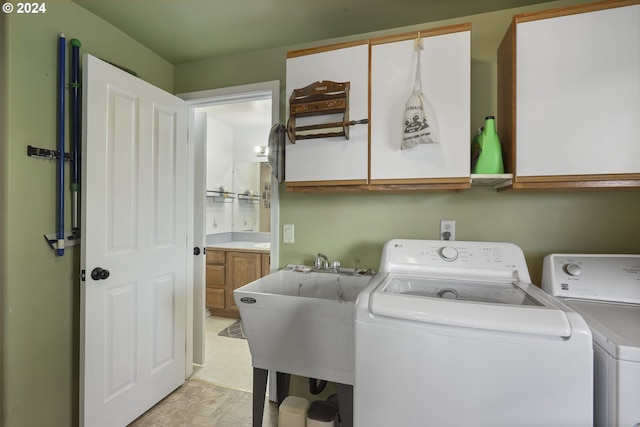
[225, 95]
[239, 93]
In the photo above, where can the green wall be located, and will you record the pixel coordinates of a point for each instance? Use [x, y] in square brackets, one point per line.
[3, 202]
[40, 304]
[350, 226]
[346, 227]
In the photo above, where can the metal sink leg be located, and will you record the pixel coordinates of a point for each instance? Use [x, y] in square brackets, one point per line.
[259, 392]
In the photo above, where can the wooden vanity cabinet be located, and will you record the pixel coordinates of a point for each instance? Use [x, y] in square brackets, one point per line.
[228, 270]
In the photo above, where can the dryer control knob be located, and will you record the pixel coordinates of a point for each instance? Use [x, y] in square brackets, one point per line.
[573, 269]
[449, 253]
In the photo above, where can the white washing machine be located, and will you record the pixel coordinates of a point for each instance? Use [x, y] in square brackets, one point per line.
[454, 334]
[605, 290]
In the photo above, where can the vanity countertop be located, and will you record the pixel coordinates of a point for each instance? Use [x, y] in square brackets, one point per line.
[241, 246]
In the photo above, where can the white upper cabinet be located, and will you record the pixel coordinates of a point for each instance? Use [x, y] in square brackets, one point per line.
[569, 96]
[381, 73]
[332, 160]
[446, 78]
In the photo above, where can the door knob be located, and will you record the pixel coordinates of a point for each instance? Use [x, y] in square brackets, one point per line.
[196, 251]
[99, 273]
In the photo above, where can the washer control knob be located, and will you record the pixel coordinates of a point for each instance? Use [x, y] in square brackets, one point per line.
[449, 253]
[573, 269]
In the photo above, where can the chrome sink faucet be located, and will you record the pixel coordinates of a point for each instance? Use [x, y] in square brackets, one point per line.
[322, 262]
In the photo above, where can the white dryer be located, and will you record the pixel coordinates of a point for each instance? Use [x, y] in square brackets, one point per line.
[605, 290]
[453, 333]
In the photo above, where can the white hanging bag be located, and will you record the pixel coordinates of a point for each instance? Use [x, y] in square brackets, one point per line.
[419, 122]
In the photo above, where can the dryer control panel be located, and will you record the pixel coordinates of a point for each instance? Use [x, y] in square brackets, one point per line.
[594, 277]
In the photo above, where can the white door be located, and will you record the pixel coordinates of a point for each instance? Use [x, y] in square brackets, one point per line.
[134, 225]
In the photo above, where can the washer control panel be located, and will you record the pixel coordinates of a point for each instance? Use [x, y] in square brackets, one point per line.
[449, 253]
[458, 257]
[596, 277]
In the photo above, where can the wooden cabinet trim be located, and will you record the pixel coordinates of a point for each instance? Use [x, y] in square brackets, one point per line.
[427, 32]
[506, 122]
[328, 48]
[420, 181]
[572, 10]
[574, 178]
[390, 188]
[325, 183]
[590, 185]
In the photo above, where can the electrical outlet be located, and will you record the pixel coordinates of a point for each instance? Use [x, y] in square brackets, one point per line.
[447, 229]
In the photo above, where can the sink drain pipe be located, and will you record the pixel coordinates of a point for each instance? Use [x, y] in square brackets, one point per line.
[316, 386]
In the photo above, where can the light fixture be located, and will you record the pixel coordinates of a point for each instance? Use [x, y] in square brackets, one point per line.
[261, 150]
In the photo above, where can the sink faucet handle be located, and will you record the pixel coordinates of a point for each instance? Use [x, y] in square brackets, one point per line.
[322, 261]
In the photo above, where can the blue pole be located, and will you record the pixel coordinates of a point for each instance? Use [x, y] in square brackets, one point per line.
[75, 128]
[61, 189]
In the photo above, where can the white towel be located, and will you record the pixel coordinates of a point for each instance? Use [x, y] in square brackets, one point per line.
[276, 151]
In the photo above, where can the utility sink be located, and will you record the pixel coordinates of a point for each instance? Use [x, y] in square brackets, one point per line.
[301, 322]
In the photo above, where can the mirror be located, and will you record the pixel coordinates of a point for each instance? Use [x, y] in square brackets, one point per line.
[252, 185]
[238, 177]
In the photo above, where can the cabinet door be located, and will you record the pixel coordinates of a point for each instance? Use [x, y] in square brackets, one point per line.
[578, 94]
[215, 257]
[215, 289]
[266, 264]
[215, 276]
[446, 79]
[242, 268]
[337, 160]
[215, 298]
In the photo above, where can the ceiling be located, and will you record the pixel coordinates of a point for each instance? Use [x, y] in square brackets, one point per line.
[190, 30]
[242, 114]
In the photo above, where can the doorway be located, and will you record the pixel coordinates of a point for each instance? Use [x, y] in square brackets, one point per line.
[248, 111]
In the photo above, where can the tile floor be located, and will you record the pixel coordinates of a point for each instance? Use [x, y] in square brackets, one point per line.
[219, 392]
[227, 360]
[198, 403]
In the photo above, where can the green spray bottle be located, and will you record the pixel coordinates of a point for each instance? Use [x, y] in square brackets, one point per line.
[488, 144]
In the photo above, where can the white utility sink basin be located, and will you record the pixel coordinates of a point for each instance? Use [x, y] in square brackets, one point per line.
[302, 322]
